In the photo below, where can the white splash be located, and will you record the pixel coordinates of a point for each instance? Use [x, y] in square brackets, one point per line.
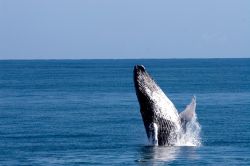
[189, 135]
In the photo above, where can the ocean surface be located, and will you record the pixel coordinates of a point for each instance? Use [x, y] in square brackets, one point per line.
[85, 112]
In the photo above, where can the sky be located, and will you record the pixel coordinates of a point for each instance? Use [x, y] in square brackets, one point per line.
[124, 29]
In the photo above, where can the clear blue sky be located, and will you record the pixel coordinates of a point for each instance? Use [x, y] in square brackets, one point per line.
[55, 29]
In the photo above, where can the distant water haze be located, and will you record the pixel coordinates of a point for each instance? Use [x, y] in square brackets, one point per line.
[114, 29]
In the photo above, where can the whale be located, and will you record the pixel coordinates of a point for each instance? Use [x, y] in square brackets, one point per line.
[162, 122]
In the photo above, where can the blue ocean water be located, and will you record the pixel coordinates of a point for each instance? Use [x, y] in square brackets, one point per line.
[85, 112]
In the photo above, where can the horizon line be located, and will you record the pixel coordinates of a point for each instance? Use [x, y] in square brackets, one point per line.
[122, 58]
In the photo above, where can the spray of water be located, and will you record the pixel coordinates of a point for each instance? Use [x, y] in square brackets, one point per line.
[189, 134]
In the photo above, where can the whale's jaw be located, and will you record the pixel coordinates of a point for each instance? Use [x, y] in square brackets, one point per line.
[160, 117]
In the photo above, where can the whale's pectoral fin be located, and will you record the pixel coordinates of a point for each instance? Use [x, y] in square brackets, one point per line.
[153, 131]
[189, 113]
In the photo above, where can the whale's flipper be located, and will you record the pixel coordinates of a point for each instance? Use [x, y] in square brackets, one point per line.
[189, 113]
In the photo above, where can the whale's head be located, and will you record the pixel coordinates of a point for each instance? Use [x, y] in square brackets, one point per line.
[159, 115]
[145, 87]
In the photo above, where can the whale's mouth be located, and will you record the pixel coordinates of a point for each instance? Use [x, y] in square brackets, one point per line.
[139, 68]
[144, 84]
[139, 74]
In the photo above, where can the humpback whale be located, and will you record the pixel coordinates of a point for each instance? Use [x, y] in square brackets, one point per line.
[160, 117]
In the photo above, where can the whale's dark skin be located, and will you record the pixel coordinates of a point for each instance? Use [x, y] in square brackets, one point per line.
[161, 119]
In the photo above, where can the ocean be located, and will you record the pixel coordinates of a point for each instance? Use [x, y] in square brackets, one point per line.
[85, 112]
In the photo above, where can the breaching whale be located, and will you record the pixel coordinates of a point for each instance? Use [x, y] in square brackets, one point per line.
[160, 117]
